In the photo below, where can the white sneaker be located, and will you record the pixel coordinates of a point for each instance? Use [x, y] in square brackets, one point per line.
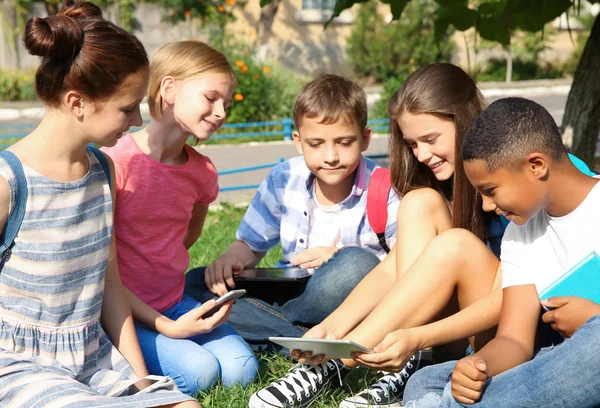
[300, 386]
[387, 392]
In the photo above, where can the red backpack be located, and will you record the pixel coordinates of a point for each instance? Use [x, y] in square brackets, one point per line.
[377, 200]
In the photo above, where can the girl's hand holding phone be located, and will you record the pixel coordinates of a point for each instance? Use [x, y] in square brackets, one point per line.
[193, 322]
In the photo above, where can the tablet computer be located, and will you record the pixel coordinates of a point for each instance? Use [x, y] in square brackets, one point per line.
[327, 347]
[272, 274]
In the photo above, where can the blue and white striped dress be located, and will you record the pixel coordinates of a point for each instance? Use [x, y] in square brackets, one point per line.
[53, 351]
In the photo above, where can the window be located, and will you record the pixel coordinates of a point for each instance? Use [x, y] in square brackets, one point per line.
[320, 11]
[318, 4]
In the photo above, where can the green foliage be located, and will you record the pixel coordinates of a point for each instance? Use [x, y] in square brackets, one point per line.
[495, 70]
[389, 89]
[211, 16]
[262, 92]
[493, 19]
[218, 232]
[17, 86]
[526, 48]
[381, 51]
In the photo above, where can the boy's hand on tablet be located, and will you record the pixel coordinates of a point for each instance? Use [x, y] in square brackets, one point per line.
[389, 355]
[219, 274]
[192, 323]
[317, 332]
[468, 379]
[569, 313]
[313, 257]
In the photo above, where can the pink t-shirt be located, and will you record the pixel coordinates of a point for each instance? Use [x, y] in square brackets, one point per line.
[153, 210]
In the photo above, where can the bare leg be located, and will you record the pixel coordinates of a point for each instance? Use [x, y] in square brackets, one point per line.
[455, 263]
[422, 215]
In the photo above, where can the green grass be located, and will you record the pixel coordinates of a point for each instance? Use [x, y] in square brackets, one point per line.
[219, 231]
[273, 367]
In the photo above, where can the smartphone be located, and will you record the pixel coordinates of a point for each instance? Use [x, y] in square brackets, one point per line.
[233, 294]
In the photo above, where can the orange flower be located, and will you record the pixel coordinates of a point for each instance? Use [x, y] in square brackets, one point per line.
[244, 69]
[256, 76]
[230, 2]
[220, 9]
[240, 63]
[239, 97]
[187, 13]
[266, 70]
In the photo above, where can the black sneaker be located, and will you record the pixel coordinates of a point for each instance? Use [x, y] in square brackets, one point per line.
[301, 386]
[388, 390]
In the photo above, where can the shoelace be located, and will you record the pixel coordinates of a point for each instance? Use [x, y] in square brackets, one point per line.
[387, 382]
[299, 384]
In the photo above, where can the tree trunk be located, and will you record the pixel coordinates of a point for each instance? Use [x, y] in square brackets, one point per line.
[581, 121]
[265, 23]
[51, 8]
[509, 64]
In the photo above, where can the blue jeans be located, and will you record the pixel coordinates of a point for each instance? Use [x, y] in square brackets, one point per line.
[199, 362]
[256, 320]
[562, 376]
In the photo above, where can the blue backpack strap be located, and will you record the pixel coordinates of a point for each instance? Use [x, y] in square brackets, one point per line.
[102, 160]
[15, 218]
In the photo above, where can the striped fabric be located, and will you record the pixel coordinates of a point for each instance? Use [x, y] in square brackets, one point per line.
[280, 212]
[54, 352]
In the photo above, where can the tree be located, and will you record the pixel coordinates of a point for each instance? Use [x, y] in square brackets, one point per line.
[381, 51]
[265, 24]
[495, 20]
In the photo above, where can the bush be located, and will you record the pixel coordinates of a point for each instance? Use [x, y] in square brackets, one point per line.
[381, 51]
[390, 87]
[495, 70]
[260, 94]
[17, 86]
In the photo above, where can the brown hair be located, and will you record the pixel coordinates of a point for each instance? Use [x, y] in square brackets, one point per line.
[446, 91]
[183, 60]
[331, 97]
[81, 51]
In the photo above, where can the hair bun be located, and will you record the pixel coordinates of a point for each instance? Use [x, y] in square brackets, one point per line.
[58, 37]
[79, 10]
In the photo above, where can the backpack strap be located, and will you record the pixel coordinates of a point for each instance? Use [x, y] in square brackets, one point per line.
[377, 201]
[15, 218]
[103, 162]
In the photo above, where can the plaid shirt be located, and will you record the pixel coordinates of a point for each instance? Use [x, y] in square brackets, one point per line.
[280, 212]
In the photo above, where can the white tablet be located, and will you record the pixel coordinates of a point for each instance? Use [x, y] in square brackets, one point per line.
[327, 347]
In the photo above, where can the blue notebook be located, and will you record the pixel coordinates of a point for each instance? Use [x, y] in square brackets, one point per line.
[582, 280]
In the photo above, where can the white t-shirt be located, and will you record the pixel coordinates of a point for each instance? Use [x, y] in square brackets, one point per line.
[325, 224]
[546, 247]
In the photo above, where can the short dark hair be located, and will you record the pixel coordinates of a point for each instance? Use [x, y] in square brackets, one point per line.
[508, 131]
[81, 51]
[331, 97]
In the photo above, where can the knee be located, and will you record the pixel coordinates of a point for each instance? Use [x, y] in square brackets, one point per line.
[455, 241]
[349, 264]
[198, 374]
[240, 367]
[242, 371]
[421, 203]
